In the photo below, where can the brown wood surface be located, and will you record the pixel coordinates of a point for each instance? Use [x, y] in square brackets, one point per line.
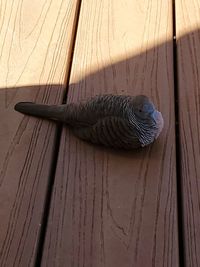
[35, 48]
[114, 208]
[188, 58]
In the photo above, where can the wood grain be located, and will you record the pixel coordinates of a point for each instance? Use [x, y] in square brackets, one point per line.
[188, 58]
[115, 208]
[35, 49]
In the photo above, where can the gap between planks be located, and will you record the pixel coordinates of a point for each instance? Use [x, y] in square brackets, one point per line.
[56, 142]
[177, 140]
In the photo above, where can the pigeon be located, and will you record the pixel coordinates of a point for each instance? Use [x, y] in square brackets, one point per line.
[116, 121]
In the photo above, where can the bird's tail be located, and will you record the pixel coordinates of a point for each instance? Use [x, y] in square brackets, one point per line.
[53, 112]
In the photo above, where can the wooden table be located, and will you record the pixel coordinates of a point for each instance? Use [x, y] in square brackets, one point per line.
[64, 202]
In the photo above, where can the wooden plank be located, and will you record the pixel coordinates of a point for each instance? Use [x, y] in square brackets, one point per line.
[188, 55]
[114, 208]
[35, 48]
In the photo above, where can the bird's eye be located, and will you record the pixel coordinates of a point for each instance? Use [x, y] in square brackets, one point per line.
[140, 110]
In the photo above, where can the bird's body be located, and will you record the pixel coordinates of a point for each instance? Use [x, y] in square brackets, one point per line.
[112, 120]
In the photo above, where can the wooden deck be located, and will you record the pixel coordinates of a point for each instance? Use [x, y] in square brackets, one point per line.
[64, 202]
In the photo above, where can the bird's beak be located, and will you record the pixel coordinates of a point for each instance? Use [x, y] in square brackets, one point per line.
[158, 118]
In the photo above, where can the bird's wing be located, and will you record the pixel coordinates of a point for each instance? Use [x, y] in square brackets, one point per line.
[110, 131]
[97, 108]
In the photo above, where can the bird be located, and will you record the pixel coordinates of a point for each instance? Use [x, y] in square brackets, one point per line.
[116, 121]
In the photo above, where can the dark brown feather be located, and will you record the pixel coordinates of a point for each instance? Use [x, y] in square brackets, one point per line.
[115, 121]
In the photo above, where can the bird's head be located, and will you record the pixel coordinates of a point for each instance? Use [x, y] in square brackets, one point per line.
[149, 121]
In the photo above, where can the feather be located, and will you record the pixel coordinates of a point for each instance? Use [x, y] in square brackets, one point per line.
[116, 121]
